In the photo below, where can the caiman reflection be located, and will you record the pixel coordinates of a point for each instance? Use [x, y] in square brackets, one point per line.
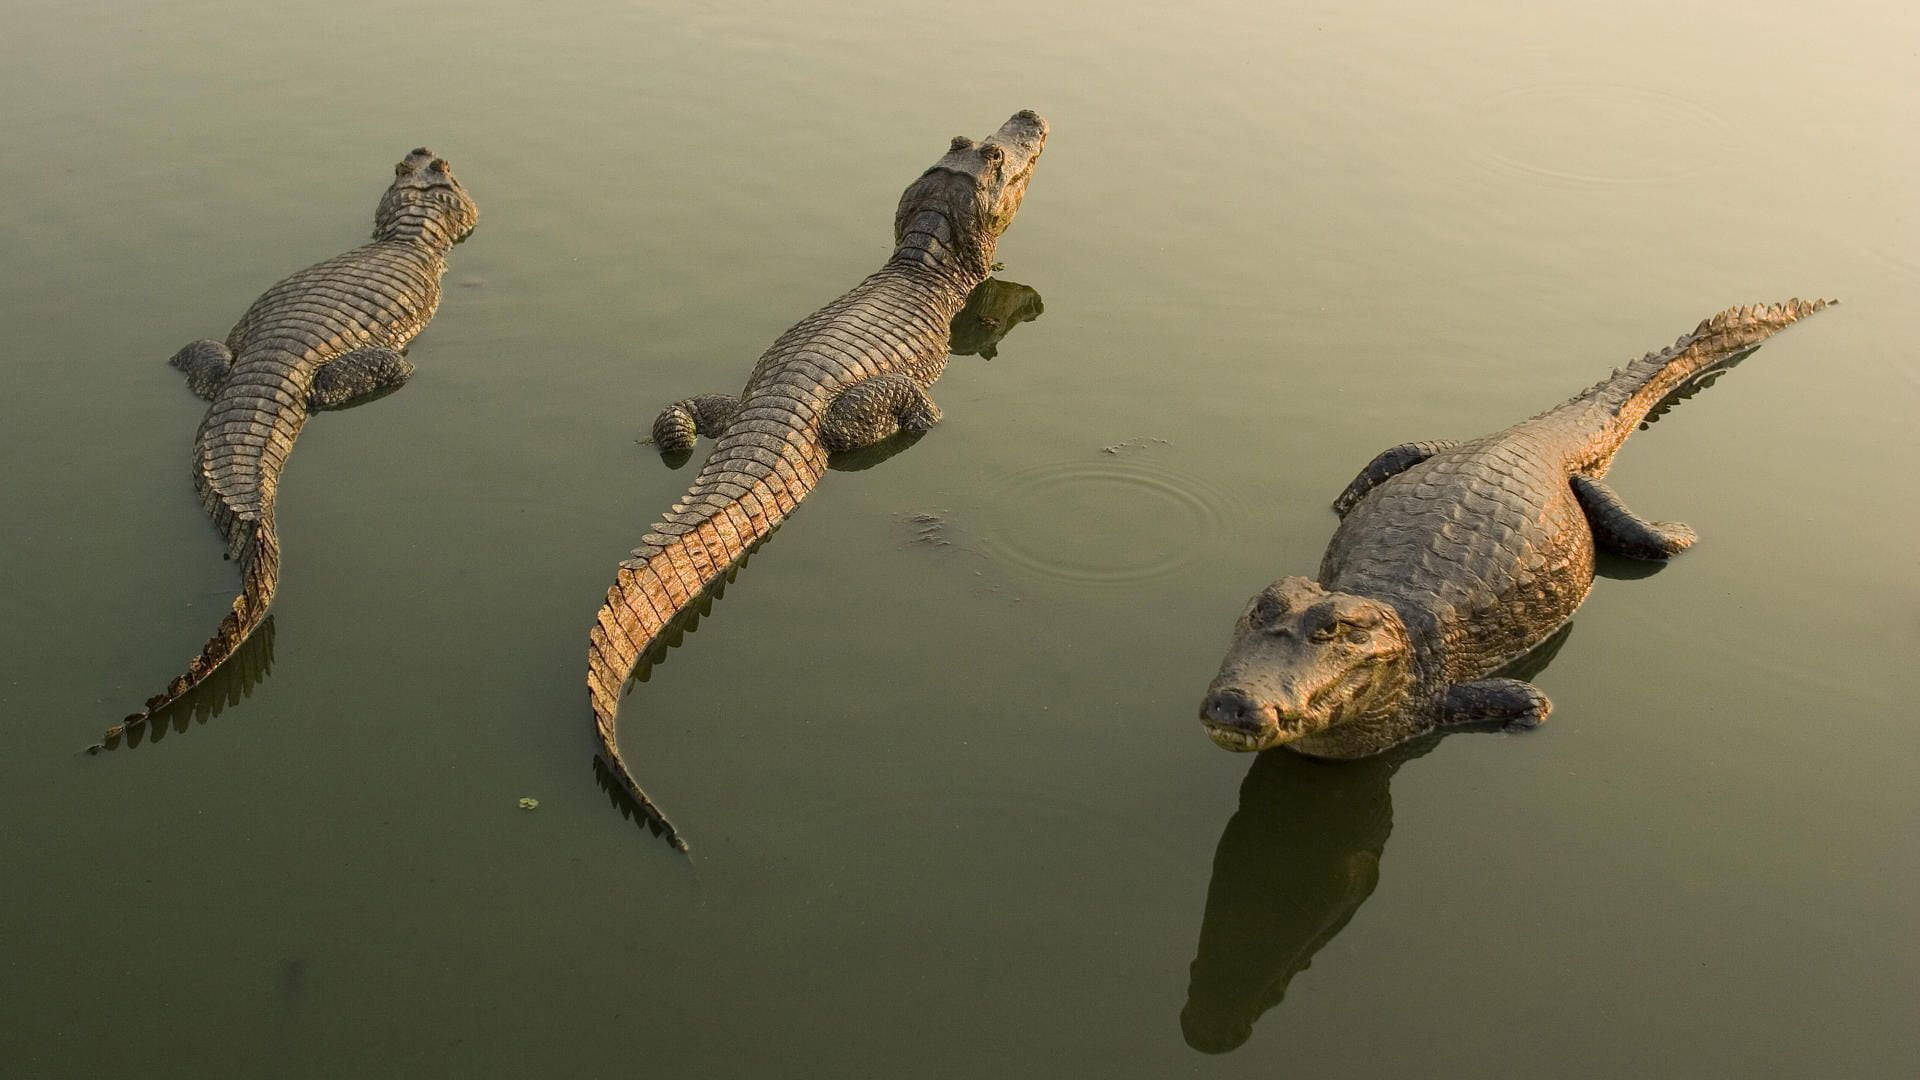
[993, 309]
[1296, 861]
[231, 683]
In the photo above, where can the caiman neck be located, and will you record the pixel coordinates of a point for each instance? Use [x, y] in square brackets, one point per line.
[931, 249]
[427, 231]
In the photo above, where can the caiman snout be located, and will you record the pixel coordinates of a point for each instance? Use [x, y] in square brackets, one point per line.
[1236, 721]
[1024, 132]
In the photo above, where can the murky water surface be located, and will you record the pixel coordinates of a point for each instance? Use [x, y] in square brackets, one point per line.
[936, 746]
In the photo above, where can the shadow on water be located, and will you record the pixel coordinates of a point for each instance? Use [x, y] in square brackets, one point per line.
[993, 309]
[1294, 864]
[230, 683]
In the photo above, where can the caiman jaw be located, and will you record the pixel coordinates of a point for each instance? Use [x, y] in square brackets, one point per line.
[1240, 741]
[1234, 721]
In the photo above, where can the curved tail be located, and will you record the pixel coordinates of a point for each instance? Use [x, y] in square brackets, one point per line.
[256, 545]
[1632, 392]
[753, 480]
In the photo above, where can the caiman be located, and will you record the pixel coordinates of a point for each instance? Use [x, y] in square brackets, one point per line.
[327, 337]
[1453, 559]
[848, 376]
[1294, 865]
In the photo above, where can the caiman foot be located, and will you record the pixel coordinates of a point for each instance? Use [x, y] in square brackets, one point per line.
[206, 364]
[1515, 705]
[675, 429]
[357, 376]
[1385, 466]
[876, 409]
[1617, 529]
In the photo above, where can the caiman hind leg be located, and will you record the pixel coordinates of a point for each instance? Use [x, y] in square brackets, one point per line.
[1385, 466]
[875, 409]
[354, 377]
[206, 364]
[1516, 705]
[1617, 529]
[675, 429]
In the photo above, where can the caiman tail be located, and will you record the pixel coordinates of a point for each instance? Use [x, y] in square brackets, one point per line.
[254, 542]
[1635, 390]
[758, 473]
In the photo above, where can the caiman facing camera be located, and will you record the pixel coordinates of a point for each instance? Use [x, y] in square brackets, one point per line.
[1453, 559]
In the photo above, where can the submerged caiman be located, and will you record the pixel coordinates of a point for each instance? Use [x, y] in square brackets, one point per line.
[848, 376]
[328, 337]
[1453, 559]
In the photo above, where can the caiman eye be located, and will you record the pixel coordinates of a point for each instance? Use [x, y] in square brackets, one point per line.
[992, 153]
[1265, 610]
[1357, 636]
[1324, 634]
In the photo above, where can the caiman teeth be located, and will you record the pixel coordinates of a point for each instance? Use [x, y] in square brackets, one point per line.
[1243, 741]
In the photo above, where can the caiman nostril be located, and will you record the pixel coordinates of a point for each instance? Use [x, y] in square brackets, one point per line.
[1231, 709]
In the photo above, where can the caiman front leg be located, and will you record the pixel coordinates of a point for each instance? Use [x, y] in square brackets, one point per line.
[355, 376]
[678, 424]
[874, 409]
[1617, 529]
[206, 364]
[1516, 705]
[1385, 466]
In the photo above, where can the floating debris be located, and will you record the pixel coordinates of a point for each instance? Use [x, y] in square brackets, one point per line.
[1141, 443]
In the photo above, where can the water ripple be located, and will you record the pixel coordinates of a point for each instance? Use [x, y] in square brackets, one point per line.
[1118, 519]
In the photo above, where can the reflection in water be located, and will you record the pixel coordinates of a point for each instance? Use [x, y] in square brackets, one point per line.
[227, 686]
[1701, 379]
[993, 309]
[1297, 859]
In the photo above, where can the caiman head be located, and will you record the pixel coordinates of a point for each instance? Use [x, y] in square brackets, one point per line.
[1303, 660]
[425, 202]
[975, 189]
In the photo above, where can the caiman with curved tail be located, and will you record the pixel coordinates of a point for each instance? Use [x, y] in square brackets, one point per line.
[328, 337]
[1451, 560]
[848, 376]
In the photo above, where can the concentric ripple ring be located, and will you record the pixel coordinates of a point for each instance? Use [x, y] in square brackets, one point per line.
[1113, 520]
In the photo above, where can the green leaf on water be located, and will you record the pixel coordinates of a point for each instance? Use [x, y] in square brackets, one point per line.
[529, 804]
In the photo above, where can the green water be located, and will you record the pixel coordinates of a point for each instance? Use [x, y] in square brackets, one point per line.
[952, 813]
